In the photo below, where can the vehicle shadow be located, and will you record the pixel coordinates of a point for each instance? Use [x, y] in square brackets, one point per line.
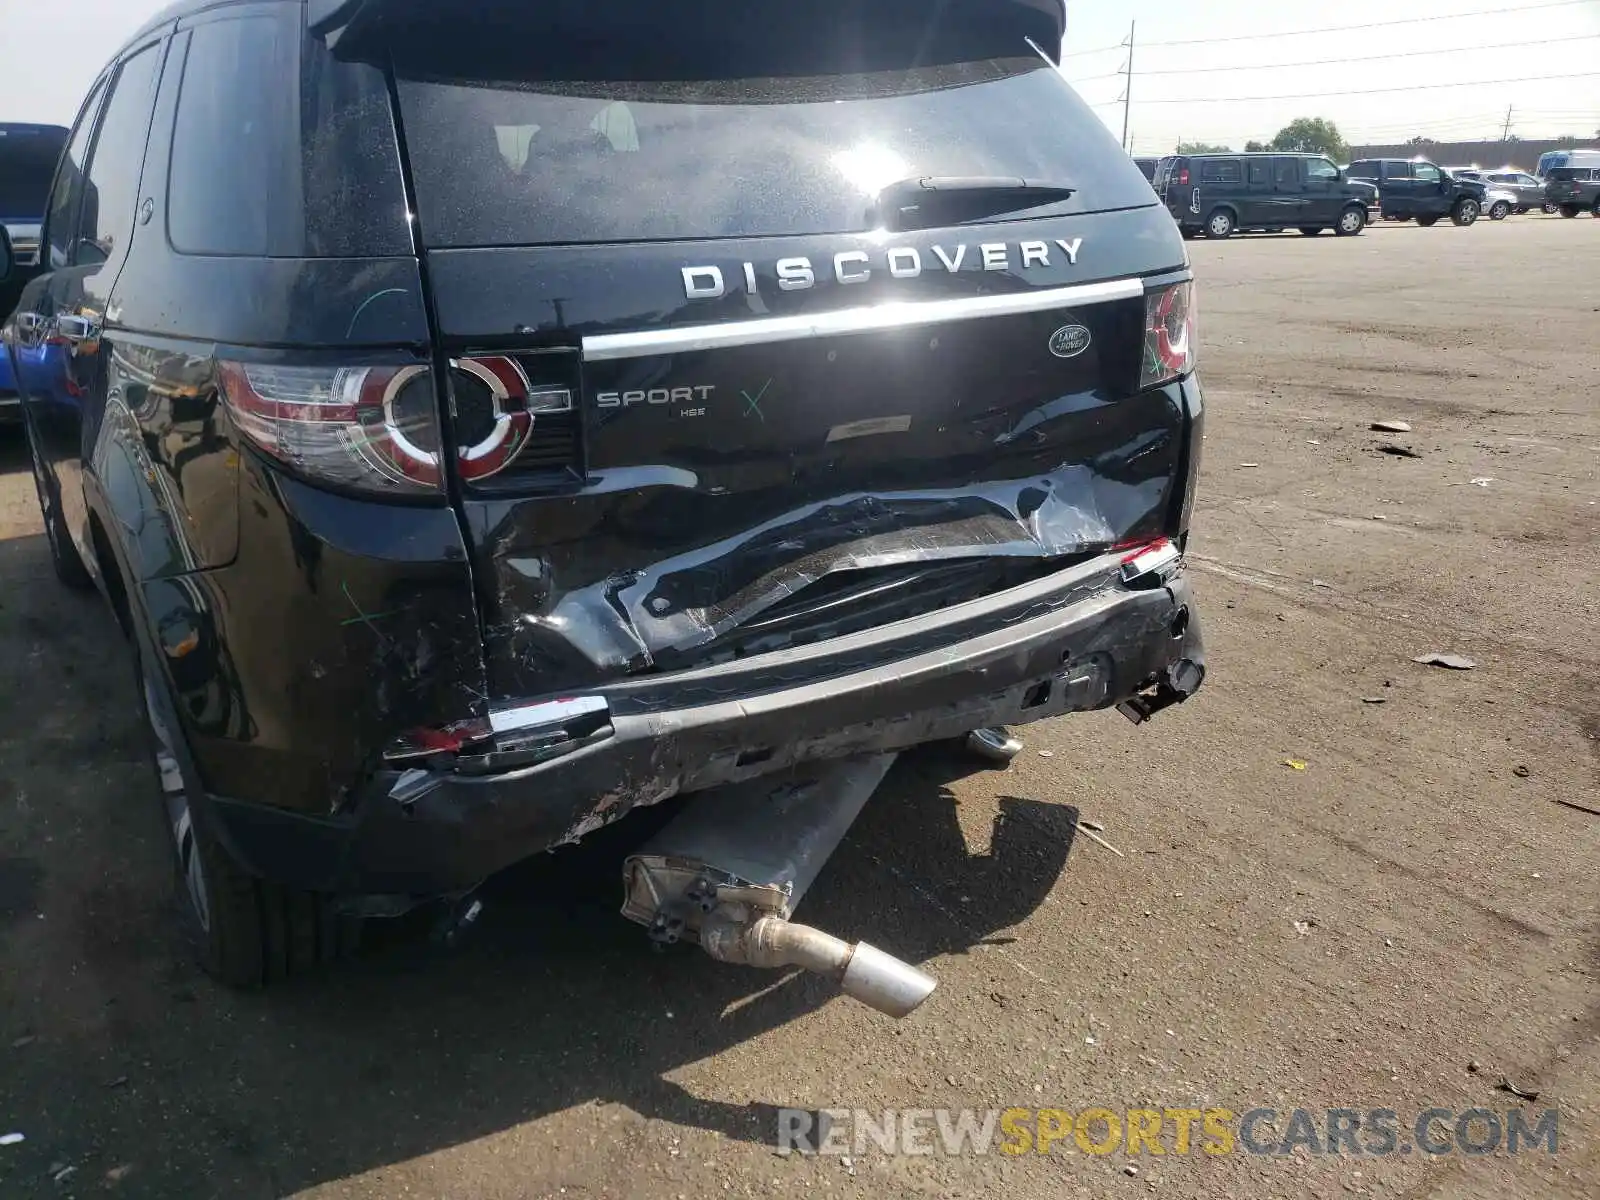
[13, 449]
[126, 1060]
[556, 1002]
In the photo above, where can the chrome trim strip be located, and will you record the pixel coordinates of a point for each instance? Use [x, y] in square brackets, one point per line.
[873, 318]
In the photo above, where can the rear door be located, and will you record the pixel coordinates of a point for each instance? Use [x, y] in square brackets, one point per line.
[1399, 189]
[710, 364]
[1288, 191]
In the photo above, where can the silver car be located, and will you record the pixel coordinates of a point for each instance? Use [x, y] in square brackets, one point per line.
[1500, 199]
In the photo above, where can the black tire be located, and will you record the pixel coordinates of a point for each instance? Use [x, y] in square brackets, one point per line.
[1499, 210]
[246, 932]
[1548, 209]
[1595, 211]
[1311, 230]
[1570, 210]
[64, 556]
[1220, 224]
[1351, 221]
[1466, 212]
[1428, 222]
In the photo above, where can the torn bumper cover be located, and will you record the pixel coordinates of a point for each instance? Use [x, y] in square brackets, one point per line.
[1084, 638]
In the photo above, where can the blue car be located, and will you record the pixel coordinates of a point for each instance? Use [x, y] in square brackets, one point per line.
[28, 156]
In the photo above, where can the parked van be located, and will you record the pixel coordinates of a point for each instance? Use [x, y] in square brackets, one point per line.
[1220, 193]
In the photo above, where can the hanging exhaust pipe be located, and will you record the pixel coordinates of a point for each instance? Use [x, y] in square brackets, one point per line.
[862, 972]
[729, 870]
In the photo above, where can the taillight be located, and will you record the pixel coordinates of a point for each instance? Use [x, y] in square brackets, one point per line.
[1169, 337]
[1183, 177]
[377, 427]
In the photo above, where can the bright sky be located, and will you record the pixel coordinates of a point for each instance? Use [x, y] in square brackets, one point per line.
[43, 77]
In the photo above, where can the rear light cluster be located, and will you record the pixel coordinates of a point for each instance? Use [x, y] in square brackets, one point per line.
[376, 428]
[1169, 335]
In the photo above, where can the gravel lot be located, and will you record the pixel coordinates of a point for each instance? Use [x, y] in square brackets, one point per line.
[1448, 910]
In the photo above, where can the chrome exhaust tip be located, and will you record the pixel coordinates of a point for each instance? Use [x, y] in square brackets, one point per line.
[884, 982]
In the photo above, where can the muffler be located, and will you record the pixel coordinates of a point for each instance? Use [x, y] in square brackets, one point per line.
[729, 870]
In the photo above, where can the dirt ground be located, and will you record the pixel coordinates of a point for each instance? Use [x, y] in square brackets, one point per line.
[1357, 933]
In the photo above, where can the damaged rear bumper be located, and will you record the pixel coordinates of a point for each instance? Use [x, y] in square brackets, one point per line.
[1082, 639]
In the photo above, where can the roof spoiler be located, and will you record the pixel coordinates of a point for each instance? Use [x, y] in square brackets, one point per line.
[360, 28]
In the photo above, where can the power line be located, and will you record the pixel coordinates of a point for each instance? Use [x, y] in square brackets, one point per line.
[1325, 62]
[1487, 12]
[1415, 87]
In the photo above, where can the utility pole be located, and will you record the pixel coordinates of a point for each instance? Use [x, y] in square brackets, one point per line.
[1505, 134]
[1127, 87]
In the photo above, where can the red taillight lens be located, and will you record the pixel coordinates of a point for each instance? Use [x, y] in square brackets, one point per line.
[1183, 177]
[377, 427]
[1169, 335]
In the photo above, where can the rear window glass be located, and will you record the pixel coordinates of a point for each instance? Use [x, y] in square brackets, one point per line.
[1569, 174]
[572, 161]
[1220, 170]
[27, 164]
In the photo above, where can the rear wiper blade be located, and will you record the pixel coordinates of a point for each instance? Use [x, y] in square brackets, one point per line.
[946, 199]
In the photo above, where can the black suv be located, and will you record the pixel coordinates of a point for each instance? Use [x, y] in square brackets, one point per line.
[1573, 190]
[1216, 194]
[531, 412]
[1415, 188]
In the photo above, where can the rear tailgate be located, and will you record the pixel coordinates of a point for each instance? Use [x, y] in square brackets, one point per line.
[784, 422]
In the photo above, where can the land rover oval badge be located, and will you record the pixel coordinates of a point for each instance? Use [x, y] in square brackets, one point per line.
[1069, 341]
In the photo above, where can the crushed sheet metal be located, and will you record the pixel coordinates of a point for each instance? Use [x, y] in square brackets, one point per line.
[658, 608]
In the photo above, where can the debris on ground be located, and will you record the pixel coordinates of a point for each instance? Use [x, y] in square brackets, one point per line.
[1391, 426]
[26, 1039]
[119, 1081]
[1520, 771]
[62, 1174]
[1374, 699]
[1294, 764]
[11, 1139]
[1579, 807]
[1304, 928]
[1249, 464]
[1481, 480]
[1087, 828]
[1454, 662]
[1505, 1085]
[1047, 754]
[1474, 1067]
[1130, 1170]
[1312, 442]
[1321, 583]
[1398, 450]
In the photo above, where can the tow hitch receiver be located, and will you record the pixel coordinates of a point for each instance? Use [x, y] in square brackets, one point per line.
[729, 870]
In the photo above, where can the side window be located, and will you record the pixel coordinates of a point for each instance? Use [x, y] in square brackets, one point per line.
[1221, 170]
[1322, 169]
[61, 222]
[1426, 172]
[1286, 172]
[1397, 170]
[1363, 169]
[234, 180]
[1260, 171]
[112, 194]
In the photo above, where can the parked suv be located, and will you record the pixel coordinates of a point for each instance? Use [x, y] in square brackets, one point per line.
[1574, 189]
[28, 155]
[520, 419]
[1416, 188]
[1216, 194]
